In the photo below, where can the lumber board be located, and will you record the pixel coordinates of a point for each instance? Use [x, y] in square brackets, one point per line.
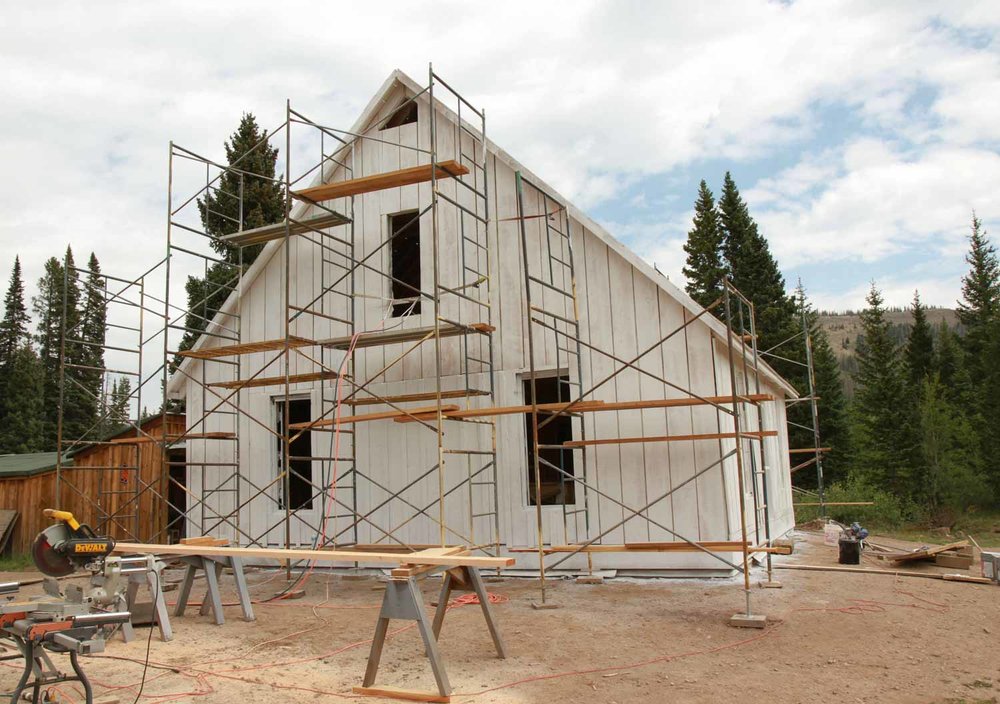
[806, 450]
[836, 503]
[393, 337]
[955, 562]
[593, 406]
[246, 348]
[205, 540]
[411, 695]
[669, 438]
[407, 398]
[380, 182]
[673, 546]
[314, 555]
[896, 573]
[260, 235]
[218, 435]
[364, 417]
[924, 553]
[273, 380]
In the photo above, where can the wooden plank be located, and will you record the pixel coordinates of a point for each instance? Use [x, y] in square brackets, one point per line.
[260, 235]
[364, 417]
[273, 380]
[895, 573]
[957, 562]
[246, 348]
[675, 546]
[8, 518]
[924, 553]
[411, 695]
[836, 503]
[378, 182]
[808, 450]
[390, 337]
[592, 406]
[668, 438]
[407, 398]
[312, 555]
[205, 540]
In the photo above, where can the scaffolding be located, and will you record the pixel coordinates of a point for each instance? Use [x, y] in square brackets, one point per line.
[815, 452]
[553, 313]
[336, 341]
[323, 334]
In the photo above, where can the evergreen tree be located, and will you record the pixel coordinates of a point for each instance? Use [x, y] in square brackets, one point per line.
[949, 365]
[20, 374]
[756, 274]
[92, 330]
[987, 411]
[21, 404]
[14, 327]
[704, 269]
[832, 405]
[118, 405]
[980, 302]
[59, 289]
[222, 211]
[883, 428]
[950, 453]
[919, 352]
[47, 306]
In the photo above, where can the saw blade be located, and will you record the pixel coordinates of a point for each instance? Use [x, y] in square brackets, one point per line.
[45, 555]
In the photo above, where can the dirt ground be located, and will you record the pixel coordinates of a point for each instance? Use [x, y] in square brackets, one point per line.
[830, 637]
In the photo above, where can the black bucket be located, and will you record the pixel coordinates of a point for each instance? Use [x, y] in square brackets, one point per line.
[850, 551]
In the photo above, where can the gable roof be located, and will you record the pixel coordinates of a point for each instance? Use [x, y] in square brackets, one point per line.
[398, 78]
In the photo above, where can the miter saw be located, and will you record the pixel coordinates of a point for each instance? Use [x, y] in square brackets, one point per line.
[75, 621]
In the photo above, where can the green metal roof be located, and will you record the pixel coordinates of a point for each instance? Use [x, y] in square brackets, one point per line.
[28, 464]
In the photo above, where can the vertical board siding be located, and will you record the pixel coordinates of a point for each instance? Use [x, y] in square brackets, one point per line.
[622, 311]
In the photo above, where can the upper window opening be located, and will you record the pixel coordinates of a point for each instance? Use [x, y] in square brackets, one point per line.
[405, 114]
[404, 228]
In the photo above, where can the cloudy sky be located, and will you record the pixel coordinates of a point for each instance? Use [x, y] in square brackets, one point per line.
[862, 134]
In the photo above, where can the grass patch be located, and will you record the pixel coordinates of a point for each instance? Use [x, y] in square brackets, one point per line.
[16, 563]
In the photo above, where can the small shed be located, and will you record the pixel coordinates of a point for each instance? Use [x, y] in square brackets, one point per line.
[115, 485]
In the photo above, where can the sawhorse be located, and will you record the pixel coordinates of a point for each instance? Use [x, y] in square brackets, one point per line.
[212, 567]
[402, 600]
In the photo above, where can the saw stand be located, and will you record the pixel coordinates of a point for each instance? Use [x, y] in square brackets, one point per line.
[402, 600]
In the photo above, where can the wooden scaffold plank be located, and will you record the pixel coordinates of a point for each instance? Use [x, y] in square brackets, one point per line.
[246, 348]
[379, 182]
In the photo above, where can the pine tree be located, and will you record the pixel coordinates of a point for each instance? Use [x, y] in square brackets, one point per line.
[704, 268]
[47, 306]
[953, 480]
[54, 295]
[14, 327]
[92, 331]
[222, 210]
[949, 364]
[980, 302]
[756, 274]
[883, 428]
[919, 354]
[20, 374]
[21, 404]
[118, 404]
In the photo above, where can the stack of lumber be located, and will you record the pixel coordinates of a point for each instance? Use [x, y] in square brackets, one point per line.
[956, 555]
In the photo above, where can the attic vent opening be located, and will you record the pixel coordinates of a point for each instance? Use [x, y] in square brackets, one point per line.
[405, 114]
[404, 265]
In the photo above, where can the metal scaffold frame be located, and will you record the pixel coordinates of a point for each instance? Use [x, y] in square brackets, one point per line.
[111, 495]
[817, 451]
[334, 361]
[554, 321]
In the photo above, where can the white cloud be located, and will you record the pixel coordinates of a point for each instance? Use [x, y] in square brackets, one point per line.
[590, 95]
[939, 292]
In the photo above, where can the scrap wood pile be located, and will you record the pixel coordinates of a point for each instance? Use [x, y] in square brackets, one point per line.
[958, 555]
